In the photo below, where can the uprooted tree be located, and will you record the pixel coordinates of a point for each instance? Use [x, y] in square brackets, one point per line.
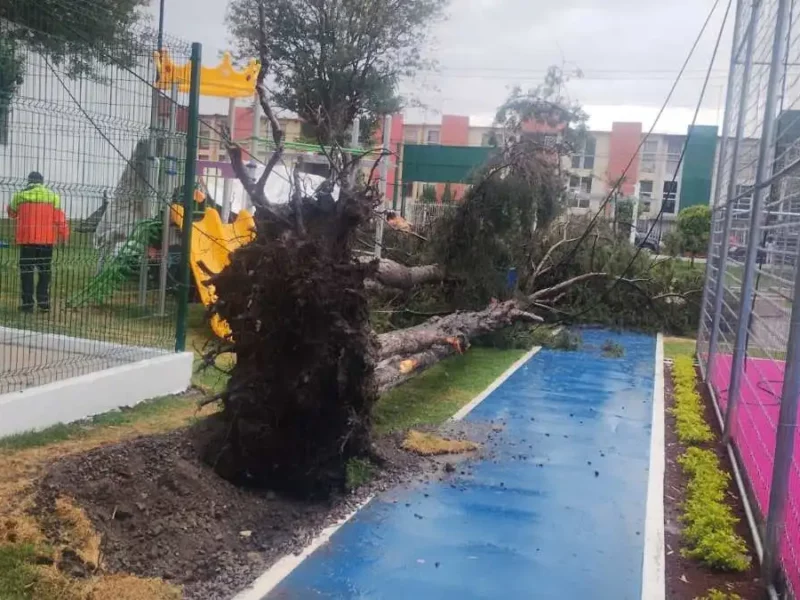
[309, 366]
[299, 400]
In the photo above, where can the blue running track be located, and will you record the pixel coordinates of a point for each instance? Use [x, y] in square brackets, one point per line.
[557, 511]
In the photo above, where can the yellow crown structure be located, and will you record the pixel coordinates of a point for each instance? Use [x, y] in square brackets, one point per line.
[222, 81]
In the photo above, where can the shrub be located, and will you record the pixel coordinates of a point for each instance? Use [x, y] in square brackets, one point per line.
[708, 522]
[715, 594]
[690, 423]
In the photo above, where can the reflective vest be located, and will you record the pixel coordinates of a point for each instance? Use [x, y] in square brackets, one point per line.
[40, 220]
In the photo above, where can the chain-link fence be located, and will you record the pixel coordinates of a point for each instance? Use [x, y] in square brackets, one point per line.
[748, 337]
[91, 156]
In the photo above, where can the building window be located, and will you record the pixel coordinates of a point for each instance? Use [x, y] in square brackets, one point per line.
[578, 201]
[204, 137]
[747, 161]
[433, 136]
[645, 196]
[410, 136]
[670, 194]
[584, 156]
[743, 204]
[674, 150]
[490, 138]
[649, 152]
[580, 184]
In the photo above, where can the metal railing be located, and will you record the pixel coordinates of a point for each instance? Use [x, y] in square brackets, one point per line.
[749, 333]
[102, 289]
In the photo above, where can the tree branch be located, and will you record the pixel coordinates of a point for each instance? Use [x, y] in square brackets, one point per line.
[563, 285]
[261, 89]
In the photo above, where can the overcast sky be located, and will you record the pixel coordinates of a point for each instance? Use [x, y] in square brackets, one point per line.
[628, 50]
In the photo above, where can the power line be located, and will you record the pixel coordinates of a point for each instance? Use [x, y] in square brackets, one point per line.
[570, 255]
[680, 160]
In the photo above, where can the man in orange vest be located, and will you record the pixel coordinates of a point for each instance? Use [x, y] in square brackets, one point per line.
[41, 224]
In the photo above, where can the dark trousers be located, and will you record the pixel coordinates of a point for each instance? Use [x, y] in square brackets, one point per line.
[33, 259]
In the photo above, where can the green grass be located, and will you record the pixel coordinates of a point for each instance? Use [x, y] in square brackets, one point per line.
[17, 575]
[359, 471]
[435, 395]
[120, 319]
[675, 347]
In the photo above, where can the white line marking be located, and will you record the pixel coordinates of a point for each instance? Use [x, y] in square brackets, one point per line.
[653, 567]
[285, 565]
[467, 408]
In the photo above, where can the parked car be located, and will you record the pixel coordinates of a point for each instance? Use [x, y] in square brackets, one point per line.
[647, 242]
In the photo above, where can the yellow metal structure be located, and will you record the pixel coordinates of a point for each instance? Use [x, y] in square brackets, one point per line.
[212, 244]
[222, 81]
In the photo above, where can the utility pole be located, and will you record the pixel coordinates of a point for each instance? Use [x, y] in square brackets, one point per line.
[387, 137]
[227, 186]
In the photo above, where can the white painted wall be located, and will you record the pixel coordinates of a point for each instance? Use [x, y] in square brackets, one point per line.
[49, 132]
[80, 397]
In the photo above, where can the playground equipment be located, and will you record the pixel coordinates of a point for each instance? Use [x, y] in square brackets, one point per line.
[212, 243]
[127, 245]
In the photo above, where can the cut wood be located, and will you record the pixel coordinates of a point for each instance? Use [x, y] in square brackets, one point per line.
[405, 353]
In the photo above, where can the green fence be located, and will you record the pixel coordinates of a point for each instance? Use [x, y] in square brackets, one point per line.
[83, 113]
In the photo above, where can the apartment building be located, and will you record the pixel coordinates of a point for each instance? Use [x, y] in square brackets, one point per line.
[591, 172]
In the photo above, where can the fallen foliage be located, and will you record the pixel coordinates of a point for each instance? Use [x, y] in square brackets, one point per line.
[428, 444]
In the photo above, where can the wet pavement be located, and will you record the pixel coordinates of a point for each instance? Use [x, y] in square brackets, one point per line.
[555, 509]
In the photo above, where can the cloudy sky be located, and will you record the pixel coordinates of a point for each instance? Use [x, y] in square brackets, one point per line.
[628, 50]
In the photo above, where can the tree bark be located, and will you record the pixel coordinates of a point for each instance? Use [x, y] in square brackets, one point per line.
[405, 353]
[391, 274]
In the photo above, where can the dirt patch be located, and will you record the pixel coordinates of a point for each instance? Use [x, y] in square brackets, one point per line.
[162, 513]
[688, 579]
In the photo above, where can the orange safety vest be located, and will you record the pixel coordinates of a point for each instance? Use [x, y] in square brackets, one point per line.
[40, 220]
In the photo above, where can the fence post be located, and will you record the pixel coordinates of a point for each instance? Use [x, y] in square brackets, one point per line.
[188, 198]
[719, 288]
[387, 137]
[169, 175]
[776, 71]
[784, 446]
[397, 183]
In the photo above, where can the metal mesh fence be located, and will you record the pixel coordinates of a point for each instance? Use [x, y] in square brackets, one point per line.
[89, 258]
[745, 336]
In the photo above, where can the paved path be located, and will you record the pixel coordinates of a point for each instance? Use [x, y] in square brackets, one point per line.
[557, 513]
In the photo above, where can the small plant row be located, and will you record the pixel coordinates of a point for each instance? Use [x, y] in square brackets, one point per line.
[715, 594]
[708, 522]
[690, 423]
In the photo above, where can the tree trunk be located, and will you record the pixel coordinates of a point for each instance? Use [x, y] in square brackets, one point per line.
[407, 352]
[299, 400]
[394, 275]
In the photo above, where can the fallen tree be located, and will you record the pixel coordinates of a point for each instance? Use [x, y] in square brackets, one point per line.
[309, 367]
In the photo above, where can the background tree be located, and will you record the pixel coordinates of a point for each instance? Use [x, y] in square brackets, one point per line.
[74, 33]
[447, 194]
[335, 60]
[428, 195]
[694, 226]
[673, 243]
[624, 217]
